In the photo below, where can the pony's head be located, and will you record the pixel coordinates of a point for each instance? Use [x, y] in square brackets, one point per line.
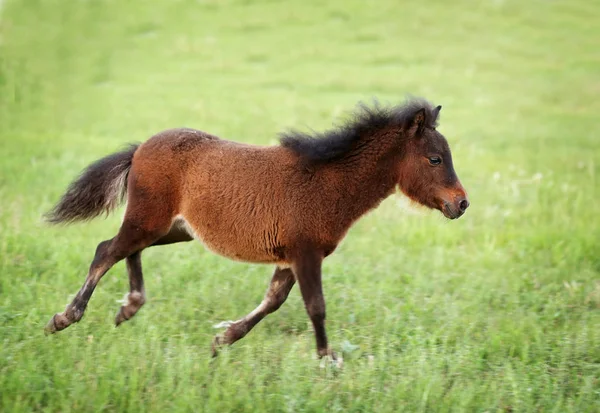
[426, 173]
[421, 160]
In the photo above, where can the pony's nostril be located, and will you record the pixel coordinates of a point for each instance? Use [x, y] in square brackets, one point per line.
[463, 205]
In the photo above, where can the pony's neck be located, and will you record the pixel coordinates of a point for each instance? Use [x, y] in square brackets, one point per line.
[366, 179]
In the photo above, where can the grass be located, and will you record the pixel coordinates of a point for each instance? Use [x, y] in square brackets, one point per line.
[496, 312]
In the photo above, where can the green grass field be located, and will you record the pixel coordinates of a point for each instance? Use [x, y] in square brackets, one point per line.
[496, 312]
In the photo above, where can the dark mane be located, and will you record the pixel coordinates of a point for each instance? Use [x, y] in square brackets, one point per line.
[334, 144]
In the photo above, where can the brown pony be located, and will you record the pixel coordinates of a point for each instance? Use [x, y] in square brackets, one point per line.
[288, 205]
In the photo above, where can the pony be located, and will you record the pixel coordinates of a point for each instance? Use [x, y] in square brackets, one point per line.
[287, 205]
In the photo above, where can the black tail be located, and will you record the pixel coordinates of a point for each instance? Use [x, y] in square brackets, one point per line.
[100, 188]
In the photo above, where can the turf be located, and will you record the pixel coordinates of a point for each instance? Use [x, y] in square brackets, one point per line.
[496, 312]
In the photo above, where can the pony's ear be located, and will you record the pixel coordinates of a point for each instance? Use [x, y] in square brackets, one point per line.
[436, 111]
[417, 122]
[419, 118]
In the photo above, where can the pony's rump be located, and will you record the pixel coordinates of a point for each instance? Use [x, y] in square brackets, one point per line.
[99, 189]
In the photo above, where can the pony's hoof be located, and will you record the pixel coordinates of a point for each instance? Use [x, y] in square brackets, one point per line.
[57, 322]
[217, 343]
[328, 355]
[332, 360]
[120, 318]
[219, 340]
[50, 328]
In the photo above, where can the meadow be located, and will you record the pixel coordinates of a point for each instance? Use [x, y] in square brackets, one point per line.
[498, 311]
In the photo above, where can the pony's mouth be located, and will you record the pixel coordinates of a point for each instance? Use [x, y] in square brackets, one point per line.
[452, 211]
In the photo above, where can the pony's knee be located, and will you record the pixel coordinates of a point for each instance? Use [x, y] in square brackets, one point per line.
[274, 306]
[316, 311]
[275, 299]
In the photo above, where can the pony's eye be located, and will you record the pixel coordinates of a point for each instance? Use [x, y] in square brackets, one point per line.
[435, 160]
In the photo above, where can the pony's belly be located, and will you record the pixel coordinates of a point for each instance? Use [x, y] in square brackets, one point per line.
[227, 244]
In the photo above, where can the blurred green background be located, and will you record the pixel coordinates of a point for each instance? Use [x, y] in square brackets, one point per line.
[496, 312]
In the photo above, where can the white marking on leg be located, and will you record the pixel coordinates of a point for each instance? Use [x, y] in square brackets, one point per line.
[261, 307]
[224, 324]
[125, 301]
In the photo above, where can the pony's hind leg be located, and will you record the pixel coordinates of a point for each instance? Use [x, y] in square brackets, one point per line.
[131, 239]
[281, 284]
[136, 297]
[103, 260]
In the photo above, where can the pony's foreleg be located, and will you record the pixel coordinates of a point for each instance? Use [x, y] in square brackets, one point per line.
[307, 268]
[279, 289]
[136, 297]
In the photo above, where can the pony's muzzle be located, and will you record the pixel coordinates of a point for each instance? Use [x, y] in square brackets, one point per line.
[456, 208]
